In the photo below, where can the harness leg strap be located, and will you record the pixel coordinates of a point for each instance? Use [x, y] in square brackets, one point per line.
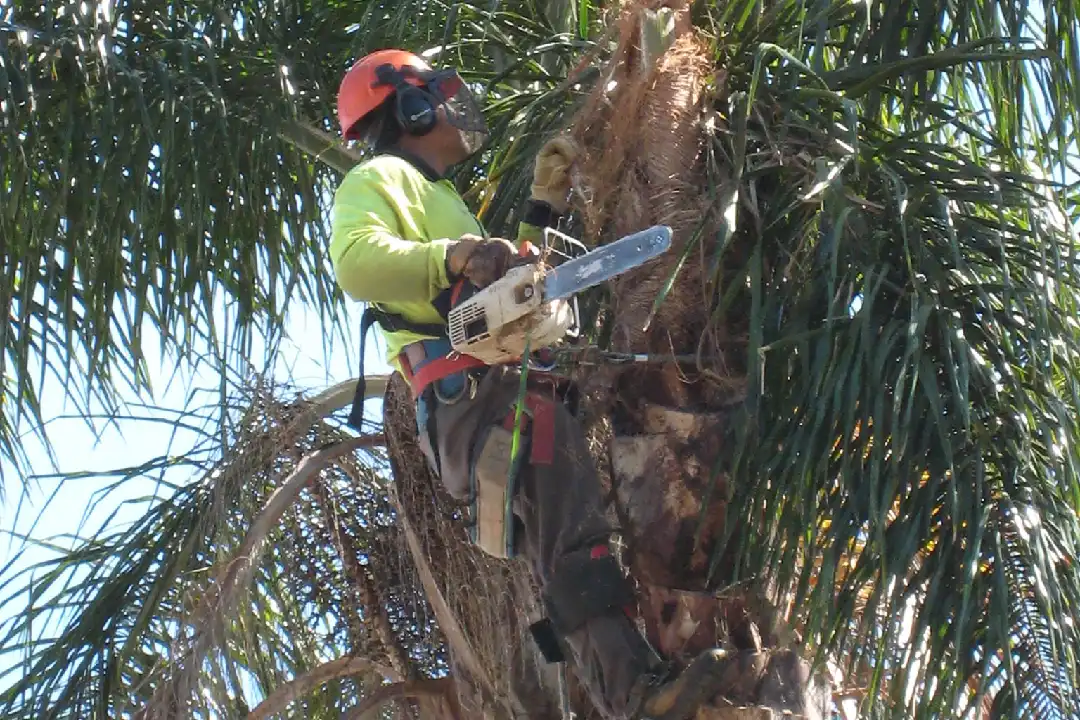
[539, 423]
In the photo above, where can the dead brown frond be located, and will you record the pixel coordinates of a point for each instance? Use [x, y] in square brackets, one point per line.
[231, 582]
[295, 689]
[645, 134]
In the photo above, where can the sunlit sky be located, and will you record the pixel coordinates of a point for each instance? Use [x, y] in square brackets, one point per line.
[65, 509]
[301, 363]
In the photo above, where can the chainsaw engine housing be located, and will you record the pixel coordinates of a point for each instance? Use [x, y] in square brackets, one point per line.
[493, 324]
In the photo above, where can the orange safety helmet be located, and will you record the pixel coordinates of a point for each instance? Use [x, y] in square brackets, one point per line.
[361, 92]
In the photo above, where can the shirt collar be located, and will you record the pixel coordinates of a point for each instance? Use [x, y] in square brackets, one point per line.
[425, 169]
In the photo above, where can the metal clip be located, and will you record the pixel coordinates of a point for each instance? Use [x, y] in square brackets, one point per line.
[469, 388]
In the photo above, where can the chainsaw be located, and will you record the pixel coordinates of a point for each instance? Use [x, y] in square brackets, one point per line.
[534, 305]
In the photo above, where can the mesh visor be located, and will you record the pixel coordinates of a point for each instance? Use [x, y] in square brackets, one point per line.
[462, 109]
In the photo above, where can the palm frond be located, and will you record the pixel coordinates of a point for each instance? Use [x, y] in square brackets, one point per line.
[103, 625]
[907, 282]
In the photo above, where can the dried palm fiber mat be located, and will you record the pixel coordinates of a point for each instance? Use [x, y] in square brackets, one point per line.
[644, 140]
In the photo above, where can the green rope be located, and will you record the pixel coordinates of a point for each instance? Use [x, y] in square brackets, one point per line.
[515, 441]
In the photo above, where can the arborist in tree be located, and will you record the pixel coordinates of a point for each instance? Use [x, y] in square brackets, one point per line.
[403, 241]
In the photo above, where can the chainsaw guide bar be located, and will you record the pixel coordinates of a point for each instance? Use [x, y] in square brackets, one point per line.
[533, 305]
[606, 262]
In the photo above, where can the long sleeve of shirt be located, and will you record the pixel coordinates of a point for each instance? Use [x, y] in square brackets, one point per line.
[379, 248]
[393, 223]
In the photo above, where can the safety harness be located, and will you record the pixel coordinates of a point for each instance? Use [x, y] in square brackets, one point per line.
[440, 361]
[585, 583]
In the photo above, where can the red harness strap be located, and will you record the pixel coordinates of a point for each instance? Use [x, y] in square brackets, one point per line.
[437, 369]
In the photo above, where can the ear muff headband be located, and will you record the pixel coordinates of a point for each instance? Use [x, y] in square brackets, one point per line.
[414, 108]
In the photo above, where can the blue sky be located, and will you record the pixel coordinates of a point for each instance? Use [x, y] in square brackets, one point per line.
[62, 507]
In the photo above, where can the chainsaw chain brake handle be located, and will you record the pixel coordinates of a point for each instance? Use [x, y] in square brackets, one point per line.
[558, 247]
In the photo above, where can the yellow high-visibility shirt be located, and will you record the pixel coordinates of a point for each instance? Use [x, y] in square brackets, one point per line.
[393, 222]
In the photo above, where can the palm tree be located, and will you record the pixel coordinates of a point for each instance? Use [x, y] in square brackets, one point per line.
[852, 438]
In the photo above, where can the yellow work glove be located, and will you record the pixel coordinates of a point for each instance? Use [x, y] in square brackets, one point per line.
[551, 176]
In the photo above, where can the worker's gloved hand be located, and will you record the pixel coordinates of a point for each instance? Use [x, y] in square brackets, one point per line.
[551, 177]
[481, 260]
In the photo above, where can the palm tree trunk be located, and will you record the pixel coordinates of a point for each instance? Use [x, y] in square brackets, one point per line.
[644, 143]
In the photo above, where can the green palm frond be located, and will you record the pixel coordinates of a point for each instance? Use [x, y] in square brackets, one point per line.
[907, 281]
[119, 222]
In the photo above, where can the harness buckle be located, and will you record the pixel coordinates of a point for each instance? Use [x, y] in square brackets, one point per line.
[469, 388]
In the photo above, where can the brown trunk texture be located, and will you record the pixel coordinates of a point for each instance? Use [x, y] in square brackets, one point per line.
[659, 435]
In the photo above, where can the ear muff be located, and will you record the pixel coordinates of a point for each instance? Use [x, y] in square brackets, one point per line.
[414, 107]
[415, 110]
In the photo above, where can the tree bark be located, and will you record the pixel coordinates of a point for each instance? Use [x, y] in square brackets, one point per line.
[644, 162]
